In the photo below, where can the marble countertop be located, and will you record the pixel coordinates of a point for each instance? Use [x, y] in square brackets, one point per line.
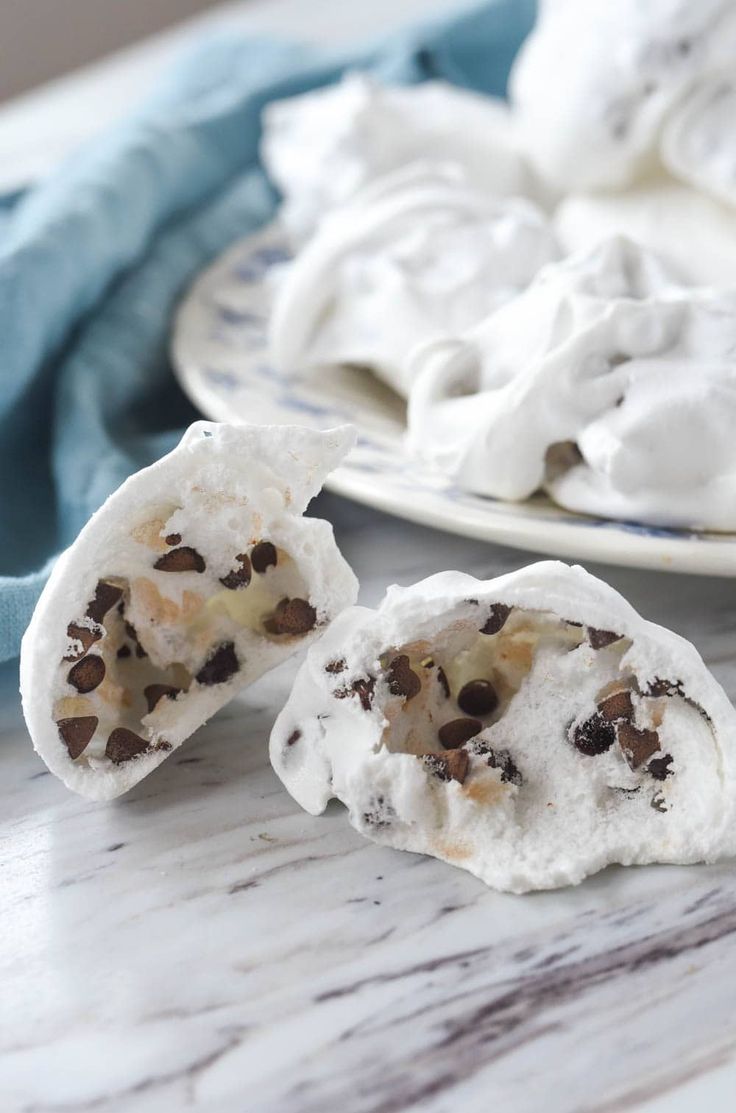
[202, 944]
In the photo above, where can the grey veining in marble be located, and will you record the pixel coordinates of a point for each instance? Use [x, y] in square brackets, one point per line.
[201, 944]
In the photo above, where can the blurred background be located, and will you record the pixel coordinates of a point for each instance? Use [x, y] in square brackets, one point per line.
[41, 39]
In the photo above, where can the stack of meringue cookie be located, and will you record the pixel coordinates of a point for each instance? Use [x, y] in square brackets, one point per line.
[549, 282]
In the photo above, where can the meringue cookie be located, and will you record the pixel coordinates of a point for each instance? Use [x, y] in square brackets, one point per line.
[417, 253]
[604, 383]
[698, 142]
[531, 729]
[320, 148]
[594, 82]
[193, 579]
[694, 234]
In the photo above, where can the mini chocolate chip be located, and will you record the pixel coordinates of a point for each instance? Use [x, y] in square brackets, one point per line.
[85, 635]
[336, 666]
[87, 674]
[443, 681]
[402, 680]
[292, 616]
[496, 619]
[660, 769]
[570, 622]
[220, 666]
[263, 556]
[594, 736]
[106, 595]
[184, 559]
[658, 802]
[76, 733]
[132, 633]
[448, 767]
[293, 737]
[616, 706]
[241, 576]
[477, 697]
[458, 731]
[659, 687]
[599, 639]
[637, 745]
[123, 745]
[362, 688]
[173, 539]
[124, 651]
[156, 692]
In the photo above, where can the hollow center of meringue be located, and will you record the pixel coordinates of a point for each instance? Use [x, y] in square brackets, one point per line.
[184, 627]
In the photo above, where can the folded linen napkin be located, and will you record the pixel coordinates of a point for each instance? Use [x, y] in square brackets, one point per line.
[94, 259]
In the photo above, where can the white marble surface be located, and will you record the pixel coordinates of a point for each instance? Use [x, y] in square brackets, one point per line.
[201, 944]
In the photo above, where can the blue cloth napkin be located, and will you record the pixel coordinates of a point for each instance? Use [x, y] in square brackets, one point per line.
[94, 259]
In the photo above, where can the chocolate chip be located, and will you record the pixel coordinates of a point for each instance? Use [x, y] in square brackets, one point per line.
[173, 539]
[336, 666]
[362, 688]
[87, 674]
[616, 706]
[379, 813]
[402, 680]
[156, 692]
[106, 595]
[292, 616]
[293, 737]
[240, 577]
[123, 745]
[220, 666]
[448, 767]
[184, 559]
[86, 635]
[443, 681]
[263, 556]
[658, 802]
[637, 745]
[660, 769]
[496, 619]
[477, 697]
[76, 734]
[659, 687]
[599, 639]
[132, 633]
[594, 736]
[458, 731]
[497, 759]
[124, 651]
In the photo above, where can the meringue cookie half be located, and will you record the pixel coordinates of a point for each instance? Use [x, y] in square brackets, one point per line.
[320, 148]
[594, 82]
[417, 253]
[531, 729]
[194, 578]
[605, 384]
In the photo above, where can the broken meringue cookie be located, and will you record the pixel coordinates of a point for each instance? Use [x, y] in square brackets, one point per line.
[531, 729]
[194, 578]
[321, 147]
[596, 121]
[605, 384]
[417, 253]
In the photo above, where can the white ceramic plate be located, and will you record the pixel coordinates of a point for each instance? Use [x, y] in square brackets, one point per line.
[221, 357]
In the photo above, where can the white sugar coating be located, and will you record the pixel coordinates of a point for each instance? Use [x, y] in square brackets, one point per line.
[525, 803]
[417, 253]
[595, 82]
[167, 603]
[605, 383]
[320, 148]
[692, 233]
